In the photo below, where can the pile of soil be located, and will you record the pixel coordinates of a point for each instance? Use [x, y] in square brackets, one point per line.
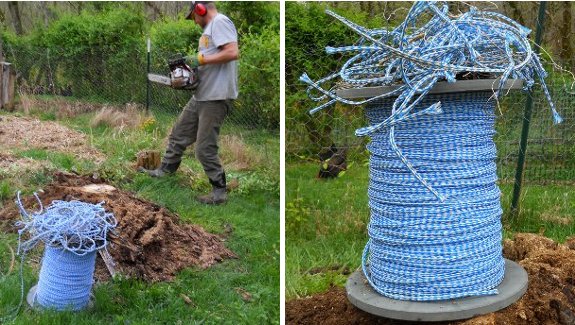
[27, 132]
[151, 243]
[550, 297]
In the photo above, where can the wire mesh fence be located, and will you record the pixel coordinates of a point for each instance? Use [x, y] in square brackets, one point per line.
[550, 151]
[93, 74]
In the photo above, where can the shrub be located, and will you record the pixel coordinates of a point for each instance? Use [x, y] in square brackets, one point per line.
[259, 77]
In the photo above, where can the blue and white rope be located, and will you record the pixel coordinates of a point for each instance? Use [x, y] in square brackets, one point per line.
[72, 232]
[420, 248]
[477, 41]
[435, 229]
[65, 279]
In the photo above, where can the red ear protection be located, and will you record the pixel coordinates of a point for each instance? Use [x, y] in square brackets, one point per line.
[200, 9]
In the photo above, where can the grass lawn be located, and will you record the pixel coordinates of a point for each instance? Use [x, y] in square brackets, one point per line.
[215, 293]
[326, 223]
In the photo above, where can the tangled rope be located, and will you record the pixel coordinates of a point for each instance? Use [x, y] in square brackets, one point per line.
[438, 47]
[435, 229]
[72, 232]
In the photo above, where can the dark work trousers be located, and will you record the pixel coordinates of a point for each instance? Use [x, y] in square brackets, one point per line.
[200, 122]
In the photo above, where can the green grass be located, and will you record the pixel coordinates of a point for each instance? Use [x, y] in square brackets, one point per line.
[252, 211]
[326, 223]
[60, 160]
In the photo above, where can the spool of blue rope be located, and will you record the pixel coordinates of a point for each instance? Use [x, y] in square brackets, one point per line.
[72, 233]
[65, 280]
[435, 230]
[422, 248]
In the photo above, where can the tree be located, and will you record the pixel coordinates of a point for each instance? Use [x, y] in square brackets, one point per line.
[566, 48]
[16, 20]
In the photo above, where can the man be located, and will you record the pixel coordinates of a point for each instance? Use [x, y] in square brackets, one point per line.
[203, 115]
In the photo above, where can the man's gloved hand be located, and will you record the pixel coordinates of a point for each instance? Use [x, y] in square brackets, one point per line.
[195, 60]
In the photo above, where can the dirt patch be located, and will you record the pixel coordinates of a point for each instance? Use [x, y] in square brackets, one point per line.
[550, 297]
[26, 132]
[10, 164]
[152, 243]
[553, 217]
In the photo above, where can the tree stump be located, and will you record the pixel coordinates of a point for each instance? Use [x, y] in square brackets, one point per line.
[148, 159]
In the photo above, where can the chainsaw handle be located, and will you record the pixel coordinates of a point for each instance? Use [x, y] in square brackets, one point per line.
[175, 61]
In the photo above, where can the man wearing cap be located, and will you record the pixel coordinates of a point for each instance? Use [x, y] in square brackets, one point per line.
[203, 115]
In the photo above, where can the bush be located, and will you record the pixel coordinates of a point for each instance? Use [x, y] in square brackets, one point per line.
[96, 50]
[259, 74]
[91, 54]
[308, 31]
[170, 37]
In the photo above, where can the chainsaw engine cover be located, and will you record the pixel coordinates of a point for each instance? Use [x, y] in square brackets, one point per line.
[183, 77]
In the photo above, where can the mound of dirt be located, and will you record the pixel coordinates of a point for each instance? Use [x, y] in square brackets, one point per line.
[550, 297]
[151, 243]
[26, 132]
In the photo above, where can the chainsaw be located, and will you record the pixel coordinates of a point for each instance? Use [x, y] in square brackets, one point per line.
[181, 75]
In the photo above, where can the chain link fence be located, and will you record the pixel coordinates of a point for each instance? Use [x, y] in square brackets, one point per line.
[550, 155]
[550, 151]
[94, 76]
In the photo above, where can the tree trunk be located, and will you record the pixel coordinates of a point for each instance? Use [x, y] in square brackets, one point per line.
[1, 50]
[15, 13]
[48, 17]
[566, 48]
[153, 8]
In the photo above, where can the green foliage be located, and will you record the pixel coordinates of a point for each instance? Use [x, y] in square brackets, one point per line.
[263, 180]
[252, 16]
[170, 37]
[60, 160]
[308, 31]
[96, 49]
[297, 214]
[259, 76]
[6, 191]
[48, 116]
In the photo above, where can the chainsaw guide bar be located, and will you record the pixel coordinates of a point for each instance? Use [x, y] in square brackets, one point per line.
[164, 80]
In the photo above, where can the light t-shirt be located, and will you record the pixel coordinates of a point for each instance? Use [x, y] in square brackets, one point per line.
[217, 81]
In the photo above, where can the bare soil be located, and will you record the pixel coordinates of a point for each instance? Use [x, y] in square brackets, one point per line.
[151, 242]
[27, 132]
[550, 297]
[10, 165]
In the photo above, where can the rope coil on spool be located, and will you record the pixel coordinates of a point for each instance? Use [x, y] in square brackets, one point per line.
[421, 249]
[72, 233]
[435, 229]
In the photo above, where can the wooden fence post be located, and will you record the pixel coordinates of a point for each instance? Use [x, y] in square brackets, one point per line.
[7, 86]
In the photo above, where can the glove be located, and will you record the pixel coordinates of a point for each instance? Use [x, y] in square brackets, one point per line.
[196, 60]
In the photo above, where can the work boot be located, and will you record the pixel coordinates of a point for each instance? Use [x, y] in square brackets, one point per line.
[164, 169]
[219, 193]
[217, 196]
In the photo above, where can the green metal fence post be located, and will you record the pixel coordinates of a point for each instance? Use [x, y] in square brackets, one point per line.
[147, 80]
[526, 119]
